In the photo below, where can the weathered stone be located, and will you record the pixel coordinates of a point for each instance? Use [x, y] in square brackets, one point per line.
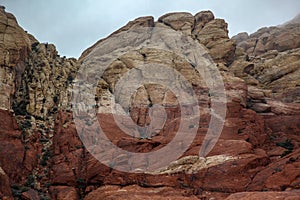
[279, 175]
[281, 38]
[11, 144]
[214, 35]
[137, 23]
[261, 107]
[14, 48]
[63, 193]
[240, 37]
[201, 19]
[45, 82]
[258, 148]
[135, 193]
[5, 191]
[179, 21]
[30, 194]
[292, 195]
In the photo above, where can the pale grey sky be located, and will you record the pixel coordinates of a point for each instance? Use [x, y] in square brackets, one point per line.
[74, 25]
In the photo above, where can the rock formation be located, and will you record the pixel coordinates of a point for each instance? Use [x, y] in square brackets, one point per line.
[42, 156]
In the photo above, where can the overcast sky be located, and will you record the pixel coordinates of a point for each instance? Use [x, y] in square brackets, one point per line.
[74, 25]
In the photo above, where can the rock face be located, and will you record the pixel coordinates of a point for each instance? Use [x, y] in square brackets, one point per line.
[47, 79]
[269, 59]
[5, 191]
[209, 31]
[34, 82]
[274, 73]
[272, 38]
[14, 48]
[115, 192]
[179, 21]
[43, 156]
[265, 195]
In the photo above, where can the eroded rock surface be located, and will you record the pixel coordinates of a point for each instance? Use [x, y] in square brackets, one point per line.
[258, 150]
[14, 48]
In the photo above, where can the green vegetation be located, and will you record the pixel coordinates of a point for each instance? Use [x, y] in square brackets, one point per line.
[81, 183]
[89, 123]
[43, 197]
[47, 185]
[55, 99]
[17, 190]
[30, 181]
[70, 79]
[47, 154]
[79, 146]
[34, 46]
[240, 131]
[26, 125]
[111, 164]
[288, 145]
[142, 133]
[20, 108]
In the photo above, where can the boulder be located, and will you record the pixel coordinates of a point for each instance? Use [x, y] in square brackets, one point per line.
[181, 21]
[63, 193]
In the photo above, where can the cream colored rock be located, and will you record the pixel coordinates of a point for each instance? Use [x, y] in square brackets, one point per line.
[14, 48]
[148, 94]
[201, 19]
[214, 35]
[181, 21]
[193, 164]
[45, 81]
[282, 38]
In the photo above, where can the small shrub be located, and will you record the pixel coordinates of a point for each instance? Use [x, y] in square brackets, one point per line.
[142, 133]
[26, 125]
[47, 185]
[191, 126]
[20, 108]
[89, 123]
[287, 144]
[286, 153]
[81, 183]
[47, 154]
[44, 140]
[17, 190]
[43, 162]
[55, 99]
[111, 164]
[34, 46]
[43, 197]
[240, 131]
[79, 146]
[30, 181]
[70, 78]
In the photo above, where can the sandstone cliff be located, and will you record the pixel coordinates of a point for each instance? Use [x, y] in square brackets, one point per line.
[42, 156]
